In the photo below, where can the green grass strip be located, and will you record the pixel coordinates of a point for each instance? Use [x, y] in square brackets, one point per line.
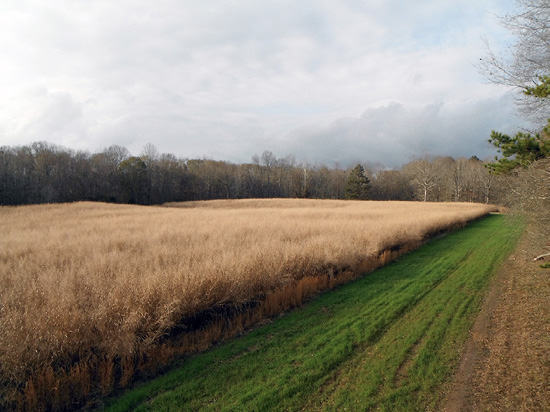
[386, 342]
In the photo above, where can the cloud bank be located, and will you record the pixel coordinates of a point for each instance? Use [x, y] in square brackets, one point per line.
[327, 80]
[395, 134]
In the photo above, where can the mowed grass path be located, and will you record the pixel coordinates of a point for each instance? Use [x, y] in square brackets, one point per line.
[388, 341]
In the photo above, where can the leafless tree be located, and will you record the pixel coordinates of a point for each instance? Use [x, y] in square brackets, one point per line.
[524, 61]
[423, 174]
[524, 65]
[528, 193]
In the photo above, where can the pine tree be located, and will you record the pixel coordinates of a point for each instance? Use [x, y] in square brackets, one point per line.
[358, 184]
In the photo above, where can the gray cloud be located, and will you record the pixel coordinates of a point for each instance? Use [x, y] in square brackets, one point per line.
[395, 134]
[228, 79]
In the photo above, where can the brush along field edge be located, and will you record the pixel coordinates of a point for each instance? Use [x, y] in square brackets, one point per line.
[94, 294]
[389, 341]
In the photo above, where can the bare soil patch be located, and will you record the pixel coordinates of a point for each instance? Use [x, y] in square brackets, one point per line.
[506, 363]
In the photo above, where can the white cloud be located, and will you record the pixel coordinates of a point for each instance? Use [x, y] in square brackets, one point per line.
[228, 79]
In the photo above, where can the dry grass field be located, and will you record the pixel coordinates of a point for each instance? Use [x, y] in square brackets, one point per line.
[94, 295]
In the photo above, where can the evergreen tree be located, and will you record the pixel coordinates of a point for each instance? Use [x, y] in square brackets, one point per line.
[358, 184]
[520, 150]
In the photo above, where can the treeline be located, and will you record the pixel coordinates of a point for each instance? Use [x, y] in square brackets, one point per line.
[45, 173]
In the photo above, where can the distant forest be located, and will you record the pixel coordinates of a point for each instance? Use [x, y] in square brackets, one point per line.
[45, 173]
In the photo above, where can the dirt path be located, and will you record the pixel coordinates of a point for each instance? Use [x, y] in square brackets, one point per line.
[506, 363]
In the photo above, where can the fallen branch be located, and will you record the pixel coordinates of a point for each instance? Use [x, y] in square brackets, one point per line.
[541, 257]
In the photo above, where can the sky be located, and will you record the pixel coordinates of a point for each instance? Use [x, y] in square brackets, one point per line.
[328, 81]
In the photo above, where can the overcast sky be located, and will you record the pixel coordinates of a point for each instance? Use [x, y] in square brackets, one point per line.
[375, 81]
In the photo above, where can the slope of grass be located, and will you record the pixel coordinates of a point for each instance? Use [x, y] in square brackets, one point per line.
[387, 341]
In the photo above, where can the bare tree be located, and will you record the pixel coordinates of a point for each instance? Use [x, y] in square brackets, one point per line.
[444, 180]
[423, 174]
[527, 60]
[391, 185]
[268, 161]
[525, 67]
[529, 194]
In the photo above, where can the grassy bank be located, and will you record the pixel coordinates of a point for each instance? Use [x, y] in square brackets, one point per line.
[388, 341]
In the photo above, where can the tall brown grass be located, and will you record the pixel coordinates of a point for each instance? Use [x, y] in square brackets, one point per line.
[94, 295]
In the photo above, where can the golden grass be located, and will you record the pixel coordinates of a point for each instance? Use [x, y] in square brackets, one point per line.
[89, 292]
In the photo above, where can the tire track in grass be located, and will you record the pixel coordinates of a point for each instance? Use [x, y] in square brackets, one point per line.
[346, 349]
[426, 336]
[402, 349]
